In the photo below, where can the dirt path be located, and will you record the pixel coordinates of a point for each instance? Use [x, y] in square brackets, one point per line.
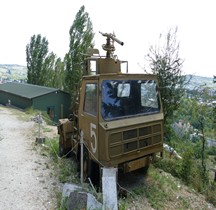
[25, 180]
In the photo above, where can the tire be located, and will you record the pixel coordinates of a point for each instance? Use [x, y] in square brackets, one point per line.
[95, 175]
[90, 170]
[87, 166]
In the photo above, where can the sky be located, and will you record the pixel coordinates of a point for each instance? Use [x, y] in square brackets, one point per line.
[137, 23]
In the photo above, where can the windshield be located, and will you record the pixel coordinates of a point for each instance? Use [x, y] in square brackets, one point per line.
[126, 98]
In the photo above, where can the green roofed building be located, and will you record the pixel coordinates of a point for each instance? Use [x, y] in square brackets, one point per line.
[51, 100]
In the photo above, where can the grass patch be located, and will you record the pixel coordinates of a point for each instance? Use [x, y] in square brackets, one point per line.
[47, 130]
[34, 112]
[161, 190]
[66, 168]
[155, 189]
[190, 171]
[68, 171]
[18, 113]
[52, 146]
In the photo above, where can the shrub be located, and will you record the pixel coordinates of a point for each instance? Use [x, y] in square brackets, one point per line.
[186, 166]
[169, 165]
[211, 150]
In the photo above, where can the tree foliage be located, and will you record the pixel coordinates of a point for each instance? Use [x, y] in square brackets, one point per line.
[53, 69]
[43, 69]
[81, 36]
[36, 52]
[46, 69]
[58, 77]
[164, 61]
[199, 114]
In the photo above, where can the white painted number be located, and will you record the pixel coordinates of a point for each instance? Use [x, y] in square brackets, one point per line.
[93, 134]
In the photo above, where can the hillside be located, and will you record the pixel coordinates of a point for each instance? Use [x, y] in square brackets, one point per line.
[12, 72]
[198, 81]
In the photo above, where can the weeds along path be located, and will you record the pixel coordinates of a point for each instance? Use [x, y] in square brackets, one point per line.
[25, 180]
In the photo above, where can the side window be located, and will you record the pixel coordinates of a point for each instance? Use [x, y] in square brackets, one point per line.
[90, 103]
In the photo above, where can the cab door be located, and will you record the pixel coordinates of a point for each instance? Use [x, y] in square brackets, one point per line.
[88, 115]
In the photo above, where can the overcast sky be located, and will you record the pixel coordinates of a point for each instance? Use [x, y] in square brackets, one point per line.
[137, 23]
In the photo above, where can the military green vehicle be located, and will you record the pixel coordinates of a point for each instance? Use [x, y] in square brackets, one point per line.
[118, 116]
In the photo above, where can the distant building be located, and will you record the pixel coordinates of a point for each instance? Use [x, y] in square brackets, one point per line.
[54, 102]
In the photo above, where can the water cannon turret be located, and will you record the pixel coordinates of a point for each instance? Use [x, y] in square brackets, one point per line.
[97, 64]
[109, 46]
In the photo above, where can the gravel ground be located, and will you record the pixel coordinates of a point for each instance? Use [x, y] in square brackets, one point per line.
[25, 177]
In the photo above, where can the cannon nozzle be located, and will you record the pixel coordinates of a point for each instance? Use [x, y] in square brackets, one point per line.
[112, 36]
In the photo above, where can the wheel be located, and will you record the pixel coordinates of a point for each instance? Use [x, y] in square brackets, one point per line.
[87, 166]
[95, 175]
[90, 169]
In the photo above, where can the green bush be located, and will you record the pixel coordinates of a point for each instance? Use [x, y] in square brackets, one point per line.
[31, 111]
[53, 145]
[186, 166]
[199, 177]
[188, 169]
[169, 165]
[211, 193]
[211, 150]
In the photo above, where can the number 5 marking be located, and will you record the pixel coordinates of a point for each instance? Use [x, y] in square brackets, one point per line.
[93, 134]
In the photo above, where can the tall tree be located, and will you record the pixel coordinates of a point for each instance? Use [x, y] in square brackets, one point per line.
[58, 78]
[81, 36]
[36, 52]
[164, 61]
[48, 70]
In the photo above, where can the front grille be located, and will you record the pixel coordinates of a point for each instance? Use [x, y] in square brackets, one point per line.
[115, 137]
[130, 134]
[145, 131]
[156, 128]
[156, 139]
[145, 142]
[135, 139]
[130, 146]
